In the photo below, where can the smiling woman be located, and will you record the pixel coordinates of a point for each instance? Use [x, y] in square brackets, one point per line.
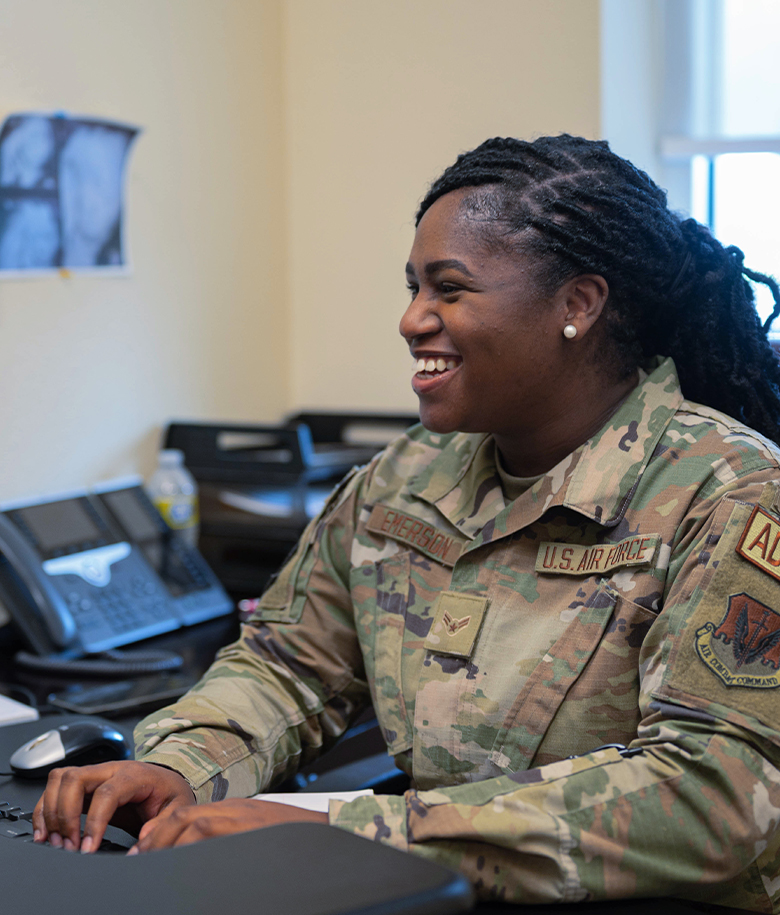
[558, 593]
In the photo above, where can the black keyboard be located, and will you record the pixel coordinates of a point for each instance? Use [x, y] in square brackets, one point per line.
[16, 823]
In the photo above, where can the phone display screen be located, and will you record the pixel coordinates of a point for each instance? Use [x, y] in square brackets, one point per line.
[163, 552]
[57, 525]
[138, 523]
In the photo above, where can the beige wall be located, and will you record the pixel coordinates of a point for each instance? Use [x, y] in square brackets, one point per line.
[381, 96]
[271, 197]
[93, 367]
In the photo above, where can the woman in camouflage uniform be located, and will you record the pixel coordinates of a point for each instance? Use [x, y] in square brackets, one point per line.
[580, 548]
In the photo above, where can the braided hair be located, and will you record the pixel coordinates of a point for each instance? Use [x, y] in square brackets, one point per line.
[674, 290]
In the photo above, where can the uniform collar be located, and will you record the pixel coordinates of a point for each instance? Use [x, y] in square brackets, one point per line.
[596, 480]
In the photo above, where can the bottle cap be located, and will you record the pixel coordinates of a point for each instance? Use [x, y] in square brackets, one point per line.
[170, 457]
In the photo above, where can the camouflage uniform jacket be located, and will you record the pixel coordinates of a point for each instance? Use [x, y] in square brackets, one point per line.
[631, 596]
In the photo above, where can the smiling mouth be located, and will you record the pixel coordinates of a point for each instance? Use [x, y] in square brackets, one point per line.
[429, 368]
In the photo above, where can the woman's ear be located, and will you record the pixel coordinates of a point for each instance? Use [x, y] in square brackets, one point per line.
[582, 299]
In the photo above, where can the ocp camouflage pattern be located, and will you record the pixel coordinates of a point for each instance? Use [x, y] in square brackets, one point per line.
[503, 644]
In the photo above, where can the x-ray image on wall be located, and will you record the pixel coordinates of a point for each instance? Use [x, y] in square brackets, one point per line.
[62, 193]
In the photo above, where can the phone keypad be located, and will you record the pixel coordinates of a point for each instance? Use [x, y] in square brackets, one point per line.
[131, 607]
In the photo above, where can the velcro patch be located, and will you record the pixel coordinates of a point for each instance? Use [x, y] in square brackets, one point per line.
[576, 559]
[744, 648]
[428, 540]
[456, 623]
[760, 542]
[719, 660]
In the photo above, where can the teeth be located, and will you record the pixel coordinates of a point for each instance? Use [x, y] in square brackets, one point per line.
[434, 365]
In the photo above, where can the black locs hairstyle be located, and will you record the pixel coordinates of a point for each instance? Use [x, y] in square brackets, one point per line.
[674, 290]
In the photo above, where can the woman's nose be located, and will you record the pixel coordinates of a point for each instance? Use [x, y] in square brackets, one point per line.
[418, 320]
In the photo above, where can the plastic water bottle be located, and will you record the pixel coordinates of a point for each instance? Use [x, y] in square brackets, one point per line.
[174, 492]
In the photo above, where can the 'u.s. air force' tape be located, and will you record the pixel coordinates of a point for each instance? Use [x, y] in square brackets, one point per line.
[576, 559]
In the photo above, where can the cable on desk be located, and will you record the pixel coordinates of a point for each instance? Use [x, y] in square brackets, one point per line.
[15, 690]
[106, 663]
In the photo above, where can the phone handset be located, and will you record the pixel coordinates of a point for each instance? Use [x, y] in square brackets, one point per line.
[57, 619]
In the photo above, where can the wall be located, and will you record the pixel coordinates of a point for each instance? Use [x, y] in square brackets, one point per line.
[91, 368]
[271, 196]
[380, 97]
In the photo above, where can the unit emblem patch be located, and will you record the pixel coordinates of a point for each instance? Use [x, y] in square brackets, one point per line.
[744, 649]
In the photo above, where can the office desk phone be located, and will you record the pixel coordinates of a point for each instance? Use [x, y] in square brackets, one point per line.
[95, 570]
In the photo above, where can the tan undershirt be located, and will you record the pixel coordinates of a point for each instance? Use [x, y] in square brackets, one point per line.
[513, 487]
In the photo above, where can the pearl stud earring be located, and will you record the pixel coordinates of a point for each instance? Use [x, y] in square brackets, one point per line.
[570, 331]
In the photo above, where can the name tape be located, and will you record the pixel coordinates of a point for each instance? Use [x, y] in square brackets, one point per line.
[576, 559]
[436, 544]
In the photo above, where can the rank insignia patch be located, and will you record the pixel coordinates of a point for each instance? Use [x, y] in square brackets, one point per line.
[744, 649]
[456, 623]
[451, 626]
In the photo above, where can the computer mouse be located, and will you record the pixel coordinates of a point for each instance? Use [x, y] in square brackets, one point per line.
[77, 743]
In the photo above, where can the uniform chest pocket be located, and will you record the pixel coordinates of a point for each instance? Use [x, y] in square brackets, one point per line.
[585, 692]
[380, 596]
[393, 600]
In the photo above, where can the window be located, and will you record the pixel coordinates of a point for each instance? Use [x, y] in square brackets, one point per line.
[691, 93]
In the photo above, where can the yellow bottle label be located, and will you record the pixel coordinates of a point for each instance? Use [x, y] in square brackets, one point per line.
[180, 512]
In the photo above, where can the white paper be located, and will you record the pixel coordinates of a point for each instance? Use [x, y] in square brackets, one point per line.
[313, 800]
[13, 712]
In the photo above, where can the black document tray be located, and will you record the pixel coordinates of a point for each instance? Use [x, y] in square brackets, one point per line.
[308, 447]
[260, 485]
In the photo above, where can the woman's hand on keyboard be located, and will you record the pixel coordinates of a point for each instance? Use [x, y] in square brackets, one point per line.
[124, 793]
[184, 825]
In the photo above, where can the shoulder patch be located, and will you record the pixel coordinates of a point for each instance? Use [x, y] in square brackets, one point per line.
[744, 648]
[422, 536]
[760, 542]
[725, 660]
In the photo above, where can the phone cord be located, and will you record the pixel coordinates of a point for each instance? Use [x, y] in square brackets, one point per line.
[112, 663]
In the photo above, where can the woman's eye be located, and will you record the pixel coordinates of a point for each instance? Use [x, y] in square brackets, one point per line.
[413, 289]
[448, 289]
